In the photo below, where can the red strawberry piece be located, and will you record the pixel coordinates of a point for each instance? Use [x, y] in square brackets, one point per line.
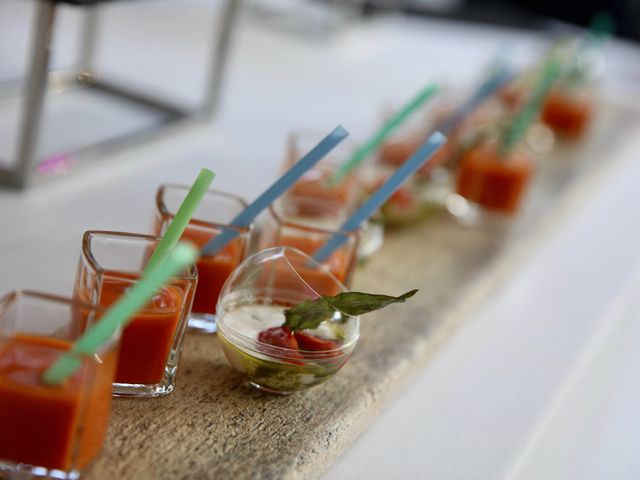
[310, 342]
[402, 197]
[281, 337]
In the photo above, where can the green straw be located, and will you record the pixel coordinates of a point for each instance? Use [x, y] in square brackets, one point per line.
[376, 140]
[523, 119]
[119, 314]
[181, 219]
[601, 28]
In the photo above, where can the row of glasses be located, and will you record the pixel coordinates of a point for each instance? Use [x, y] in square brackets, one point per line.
[469, 176]
[491, 183]
[427, 190]
[58, 431]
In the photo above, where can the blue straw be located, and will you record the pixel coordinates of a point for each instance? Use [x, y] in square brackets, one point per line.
[499, 78]
[247, 216]
[408, 168]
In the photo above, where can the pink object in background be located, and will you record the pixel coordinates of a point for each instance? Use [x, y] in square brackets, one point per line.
[59, 163]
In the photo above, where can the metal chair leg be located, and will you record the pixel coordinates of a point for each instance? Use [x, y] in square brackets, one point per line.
[36, 92]
[89, 36]
[221, 44]
[25, 166]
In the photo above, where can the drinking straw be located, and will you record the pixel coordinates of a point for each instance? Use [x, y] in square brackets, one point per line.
[523, 119]
[420, 157]
[181, 218]
[119, 314]
[244, 218]
[376, 140]
[487, 88]
[601, 28]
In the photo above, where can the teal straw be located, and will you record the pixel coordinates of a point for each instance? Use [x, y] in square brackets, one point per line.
[380, 136]
[601, 28]
[524, 118]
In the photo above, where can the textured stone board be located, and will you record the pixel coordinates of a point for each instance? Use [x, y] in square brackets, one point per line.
[213, 426]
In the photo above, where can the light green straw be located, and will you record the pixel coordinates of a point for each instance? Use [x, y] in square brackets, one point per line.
[376, 140]
[523, 120]
[601, 28]
[119, 314]
[181, 219]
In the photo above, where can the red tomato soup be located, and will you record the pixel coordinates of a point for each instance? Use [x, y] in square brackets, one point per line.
[213, 270]
[497, 183]
[60, 427]
[567, 114]
[147, 340]
[338, 264]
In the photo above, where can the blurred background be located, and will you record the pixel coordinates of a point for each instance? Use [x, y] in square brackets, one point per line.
[527, 14]
[523, 13]
[182, 60]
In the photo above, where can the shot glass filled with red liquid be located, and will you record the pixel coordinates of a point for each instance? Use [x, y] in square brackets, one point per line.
[212, 217]
[494, 181]
[151, 345]
[280, 228]
[316, 199]
[426, 191]
[316, 182]
[568, 112]
[50, 431]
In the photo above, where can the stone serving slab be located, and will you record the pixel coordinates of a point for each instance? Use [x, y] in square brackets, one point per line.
[214, 426]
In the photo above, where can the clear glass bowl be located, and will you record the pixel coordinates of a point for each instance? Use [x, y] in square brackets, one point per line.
[254, 299]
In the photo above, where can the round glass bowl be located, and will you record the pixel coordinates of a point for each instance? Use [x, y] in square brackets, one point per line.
[251, 317]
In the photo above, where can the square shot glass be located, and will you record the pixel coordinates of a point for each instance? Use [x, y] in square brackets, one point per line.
[212, 217]
[151, 345]
[50, 431]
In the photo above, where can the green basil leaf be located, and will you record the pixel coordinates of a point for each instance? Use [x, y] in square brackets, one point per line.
[311, 313]
[358, 303]
[308, 314]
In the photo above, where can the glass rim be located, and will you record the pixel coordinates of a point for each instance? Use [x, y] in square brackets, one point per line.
[88, 255]
[162, 209]
[349, 144]
[17, 293]
[309, 200]
[351, 234]
[520, 154]
[248, 342]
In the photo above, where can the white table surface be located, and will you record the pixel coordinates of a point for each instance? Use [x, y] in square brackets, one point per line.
[538, 383]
